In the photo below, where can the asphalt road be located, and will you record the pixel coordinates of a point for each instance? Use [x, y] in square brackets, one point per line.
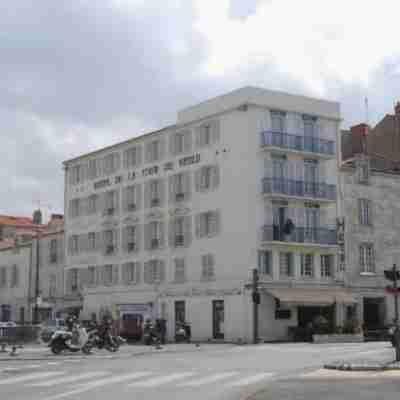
[178, 372]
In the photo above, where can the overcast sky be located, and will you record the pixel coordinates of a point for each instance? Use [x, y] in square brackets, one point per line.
[80, 74]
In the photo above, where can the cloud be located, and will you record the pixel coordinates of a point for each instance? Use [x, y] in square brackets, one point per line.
[80, 75]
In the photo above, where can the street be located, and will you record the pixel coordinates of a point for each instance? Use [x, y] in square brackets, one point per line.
[210, 371]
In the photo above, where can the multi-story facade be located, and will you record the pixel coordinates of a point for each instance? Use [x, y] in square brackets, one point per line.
[171, 224]
[32, 272]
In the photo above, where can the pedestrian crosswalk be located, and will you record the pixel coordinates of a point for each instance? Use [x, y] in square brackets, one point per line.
[69, 384]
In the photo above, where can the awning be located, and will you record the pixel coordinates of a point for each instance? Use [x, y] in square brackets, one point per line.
[320, 297]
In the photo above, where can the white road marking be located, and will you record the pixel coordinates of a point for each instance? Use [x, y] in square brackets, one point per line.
[53, 363]
[72, 360]
[209, 379]
[251, 379]
[161, 380]
[69, 379]
[29, 377]
[92, 385]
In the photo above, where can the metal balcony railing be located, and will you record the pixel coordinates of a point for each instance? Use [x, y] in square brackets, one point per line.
[297, 142]
[291, 187]
[298, 234]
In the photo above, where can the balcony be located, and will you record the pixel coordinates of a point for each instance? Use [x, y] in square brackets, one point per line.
[179, 240]
[319, 236]
[298, 143]
[302, 189]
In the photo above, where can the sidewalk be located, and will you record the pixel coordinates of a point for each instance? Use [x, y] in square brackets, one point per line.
[42, 352]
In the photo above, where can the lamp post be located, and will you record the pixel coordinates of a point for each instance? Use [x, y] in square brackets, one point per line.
[37, 276]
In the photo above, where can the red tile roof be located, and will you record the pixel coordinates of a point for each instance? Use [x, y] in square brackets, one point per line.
[16, 221]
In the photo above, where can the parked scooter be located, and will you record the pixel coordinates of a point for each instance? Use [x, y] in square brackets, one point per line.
[150, 335]
[73, 341]
[182, 332]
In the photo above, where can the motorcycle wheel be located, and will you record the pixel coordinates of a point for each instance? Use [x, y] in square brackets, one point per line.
[56, 348]
[87, 349]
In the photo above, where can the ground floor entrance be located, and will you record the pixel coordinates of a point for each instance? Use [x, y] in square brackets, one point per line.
[374, 312]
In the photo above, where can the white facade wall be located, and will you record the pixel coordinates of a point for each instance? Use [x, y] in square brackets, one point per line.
[243, 210]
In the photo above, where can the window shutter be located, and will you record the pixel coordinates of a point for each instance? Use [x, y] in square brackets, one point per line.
[371, 212]
[148, 150]
[162, 148]
[125, 198]
[117, 238]
[126, 159]
[70, 244]
[146, 272]
[98, 276]
[125, 234]
[138, 196]
[98, 241]
[187, 142]
[138, 237]
[198, 135]
[117, 200]
[147, 195]
[138, 267]
[115, 274]
[215, 176]
[197, 179]
[147, 238]
[117, 161]
[171, 185]
[188, 230]
[68, 282]
[187, 185]
[161, 267]
[124, 273]
[215, 131]
[82, 278]
[172, 147]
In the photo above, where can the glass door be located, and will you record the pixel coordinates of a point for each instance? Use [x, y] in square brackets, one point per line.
[280, 214]
[218, 319]
[309, 133]
[310, 177]
[312, 223]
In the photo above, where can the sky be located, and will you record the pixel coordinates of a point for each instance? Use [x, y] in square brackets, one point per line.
[78, 75]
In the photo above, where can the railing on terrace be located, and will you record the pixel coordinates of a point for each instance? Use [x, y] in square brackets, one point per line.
[298, 142]
[297, 234]
[298, 188]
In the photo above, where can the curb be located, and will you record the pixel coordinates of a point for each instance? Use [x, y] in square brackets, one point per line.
[362, 367]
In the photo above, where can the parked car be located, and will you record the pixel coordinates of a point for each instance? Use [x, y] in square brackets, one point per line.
[49, 327]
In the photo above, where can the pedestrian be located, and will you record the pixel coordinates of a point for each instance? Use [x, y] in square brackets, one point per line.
[163, 330]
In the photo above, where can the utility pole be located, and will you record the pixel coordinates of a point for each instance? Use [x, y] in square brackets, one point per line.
[36, 309]
[256, 302]
[394, 275]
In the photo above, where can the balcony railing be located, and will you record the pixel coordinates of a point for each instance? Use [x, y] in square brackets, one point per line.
[292, 187]
[271, 233]
[297, 142]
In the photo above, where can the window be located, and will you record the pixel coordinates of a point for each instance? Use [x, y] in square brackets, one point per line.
[264, 262]
[111, 163]
[132, 157]
[307, 265]
[207, 263]
[326, 266]
[179, 143]
[91, 241]
[91, 276]
[14, 276]
[153, 151]
[109, 241]
[52, 285]
[74, 208]
[286, 265]
[155, 231]
[108, 275]
[92, 204]
[74, 279]
[367, 258]
[132, 273]
[131, 232]
[207, 178]
[110, 202]
[131, 198]
[364, 212]
[278, 121]
[179, 188]
[179, 232]
[207, 224]
[155, 193]
[363, 171]
[74, 244]
[154, 271]
[92, 169]
[180, 275]
[76, 174]
[207, 134]
[53, 250]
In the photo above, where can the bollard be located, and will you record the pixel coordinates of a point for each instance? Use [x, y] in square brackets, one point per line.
[3, 348]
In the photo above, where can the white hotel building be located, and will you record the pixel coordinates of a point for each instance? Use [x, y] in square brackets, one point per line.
[170, 224]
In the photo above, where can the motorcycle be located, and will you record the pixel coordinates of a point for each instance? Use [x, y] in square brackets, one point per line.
[150, 335]
[76, 340]
[106, 341]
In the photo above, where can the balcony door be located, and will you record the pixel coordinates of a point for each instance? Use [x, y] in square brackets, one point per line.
[312, 214]
[311, 176]
[280, 216]
[309, 132]
[279, 167]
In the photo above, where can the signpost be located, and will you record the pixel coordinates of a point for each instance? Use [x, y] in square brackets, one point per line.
[394, 276]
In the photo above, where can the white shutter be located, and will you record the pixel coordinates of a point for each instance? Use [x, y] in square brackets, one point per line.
[115, 274]
[162, 234]
[147, 195]
[138, 236]
[187, 141]
[138, 266]
[161, 268]
[197, 175]
[187, 185]
[117, 234]
[125, 233]
[171, 232]
[125, 198]
[198, 136]
[147, 236]
[161, 191]
[138, 196]
[124, 273]
[162, 148]
[198, 225]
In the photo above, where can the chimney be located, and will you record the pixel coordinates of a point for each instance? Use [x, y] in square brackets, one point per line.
[37, 217]
[397, 108]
